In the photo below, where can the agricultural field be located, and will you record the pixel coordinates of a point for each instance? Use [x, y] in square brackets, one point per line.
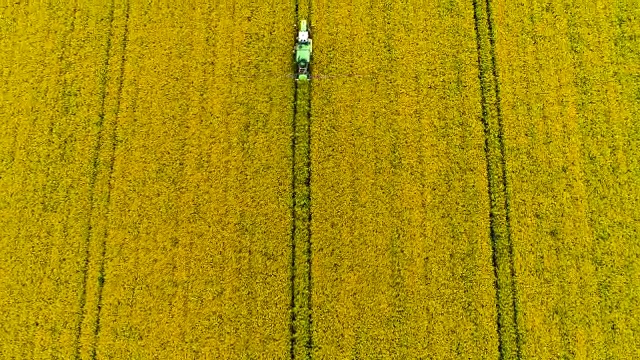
[459, 179]
[146, 182]
[401, 262]
[569, 78]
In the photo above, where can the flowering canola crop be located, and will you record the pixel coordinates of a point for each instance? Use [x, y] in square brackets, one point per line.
[459, 179]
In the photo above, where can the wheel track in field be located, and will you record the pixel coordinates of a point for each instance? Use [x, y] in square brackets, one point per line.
[92, 181]
[301, 341]
[101, 142]
[509, 334]
[292, 279]
[112, 153]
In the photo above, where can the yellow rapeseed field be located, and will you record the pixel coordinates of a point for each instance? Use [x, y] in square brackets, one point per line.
[459, 179]
[195, 252]
[51, 90]
[565, 72]
[146, 180]
[400, 231]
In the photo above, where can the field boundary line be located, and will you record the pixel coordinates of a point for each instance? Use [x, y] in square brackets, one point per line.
[509, 336]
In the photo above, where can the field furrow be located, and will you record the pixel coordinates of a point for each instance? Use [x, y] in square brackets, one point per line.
[100, 178]
[301, 316]
[509, 336]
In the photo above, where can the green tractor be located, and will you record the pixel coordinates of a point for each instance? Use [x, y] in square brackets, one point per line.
[303, 52]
